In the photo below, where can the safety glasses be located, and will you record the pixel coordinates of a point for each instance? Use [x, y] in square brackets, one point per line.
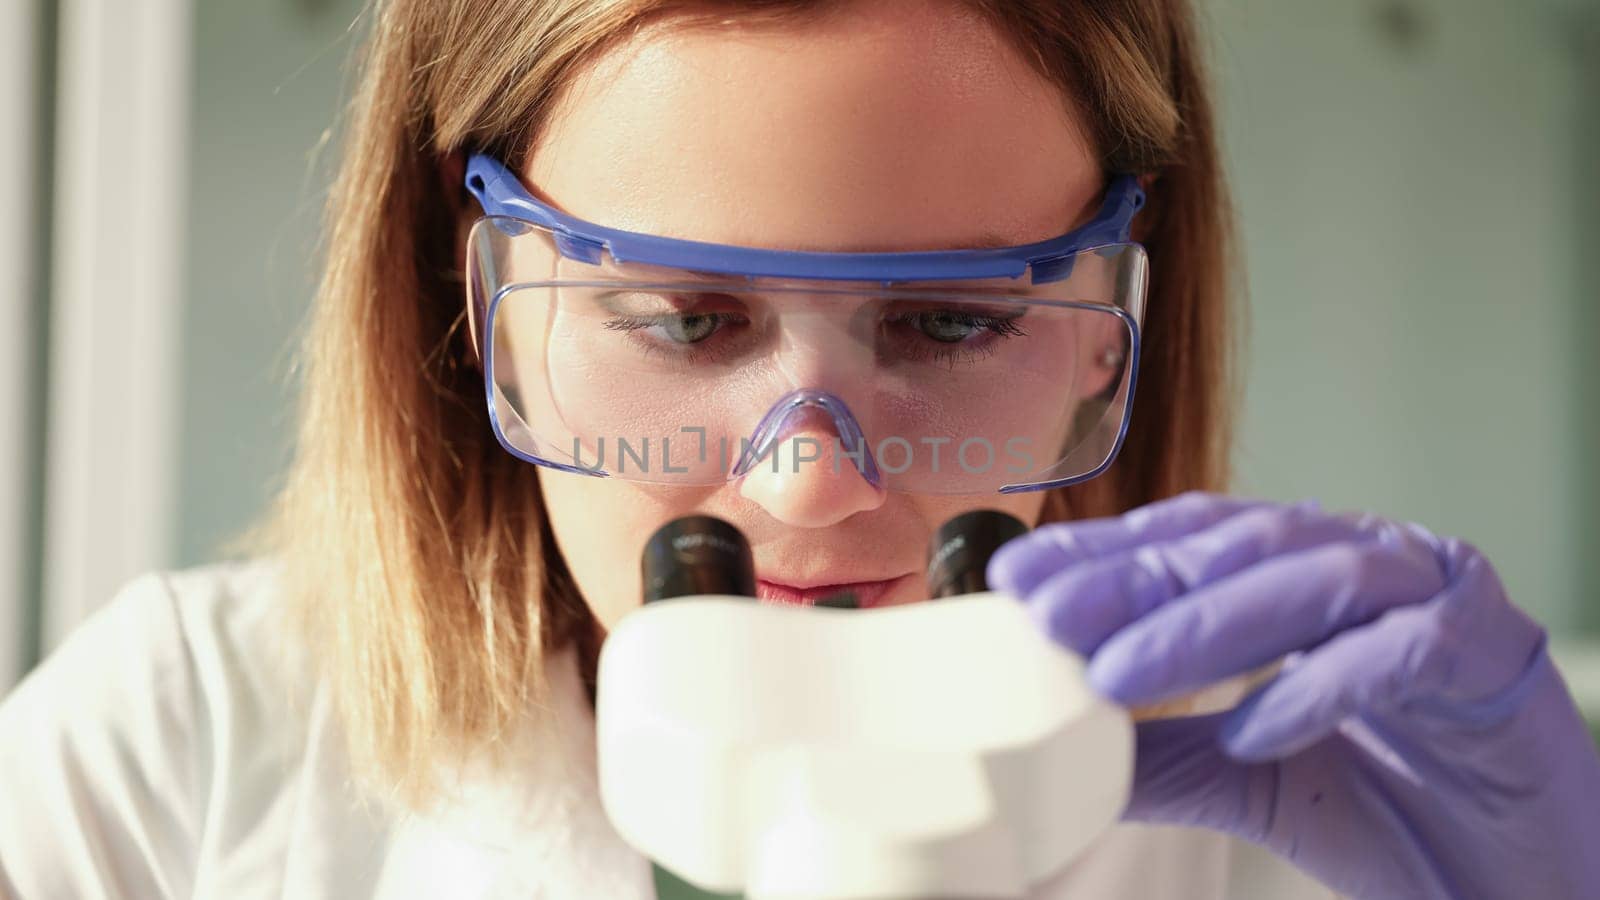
[618, 354]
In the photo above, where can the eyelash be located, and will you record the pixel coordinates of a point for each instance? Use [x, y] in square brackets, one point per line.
[958, 352]
[694, 352]
[951, 353]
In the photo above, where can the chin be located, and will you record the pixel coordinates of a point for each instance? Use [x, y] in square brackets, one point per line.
[916, 592]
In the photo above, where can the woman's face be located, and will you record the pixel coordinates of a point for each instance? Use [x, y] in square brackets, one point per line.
[904, 126]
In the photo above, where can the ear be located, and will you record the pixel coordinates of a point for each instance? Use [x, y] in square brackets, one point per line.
[1103, 353]
[451, 171]
[1142, 223]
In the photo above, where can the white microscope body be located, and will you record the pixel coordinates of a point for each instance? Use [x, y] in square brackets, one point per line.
[937, 749]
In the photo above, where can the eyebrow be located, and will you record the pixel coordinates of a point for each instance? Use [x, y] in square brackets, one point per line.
[991, 240]
[984, 240]
[987, 239]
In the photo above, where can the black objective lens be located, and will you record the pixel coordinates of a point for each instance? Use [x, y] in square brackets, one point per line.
[697, 555]
[841, 600]
[960, 551]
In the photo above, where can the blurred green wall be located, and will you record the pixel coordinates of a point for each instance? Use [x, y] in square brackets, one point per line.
[1411, 180]
[1585, 339]
[268, 82]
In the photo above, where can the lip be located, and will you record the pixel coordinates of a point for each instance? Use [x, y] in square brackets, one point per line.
[868, 593]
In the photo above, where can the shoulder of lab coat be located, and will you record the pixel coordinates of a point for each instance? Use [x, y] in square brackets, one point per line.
[110, 748]
[175, 746]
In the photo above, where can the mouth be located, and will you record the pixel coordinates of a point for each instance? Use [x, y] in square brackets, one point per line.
[868, 593]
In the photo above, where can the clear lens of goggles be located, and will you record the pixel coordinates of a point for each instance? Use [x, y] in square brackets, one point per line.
[677, 377]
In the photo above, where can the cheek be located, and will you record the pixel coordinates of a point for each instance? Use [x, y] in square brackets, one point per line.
[933, 511]
[601, 525]
[1025, 506]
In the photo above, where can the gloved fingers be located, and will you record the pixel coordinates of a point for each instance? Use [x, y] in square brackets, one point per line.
[1022, 564]
[1477, 621]
[1465, 653]
[1082, 606]
[1368, 668]
[1182, 777]
[1284, 604]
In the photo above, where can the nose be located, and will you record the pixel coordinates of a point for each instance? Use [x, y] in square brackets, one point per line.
[808, 479]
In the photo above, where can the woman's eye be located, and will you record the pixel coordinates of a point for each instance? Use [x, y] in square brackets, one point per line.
[950, 336]
[946, 327]
[687, 329]
[691, 329]
[949, 326]
[663, 319]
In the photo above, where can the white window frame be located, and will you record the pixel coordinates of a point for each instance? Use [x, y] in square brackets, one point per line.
[19, 31]
[122, 135]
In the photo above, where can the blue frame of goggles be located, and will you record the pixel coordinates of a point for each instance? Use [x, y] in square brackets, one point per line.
[502, 195]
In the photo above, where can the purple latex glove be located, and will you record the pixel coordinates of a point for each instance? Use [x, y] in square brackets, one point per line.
[1418, 741]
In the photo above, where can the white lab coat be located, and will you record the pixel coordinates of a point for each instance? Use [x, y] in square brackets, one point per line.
[175, 746]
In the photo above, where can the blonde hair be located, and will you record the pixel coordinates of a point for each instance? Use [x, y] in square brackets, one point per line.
[417, 556]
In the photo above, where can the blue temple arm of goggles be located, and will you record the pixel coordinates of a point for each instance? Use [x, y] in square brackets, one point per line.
[501, 193]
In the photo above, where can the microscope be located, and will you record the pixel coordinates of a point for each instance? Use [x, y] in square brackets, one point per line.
[939, 749]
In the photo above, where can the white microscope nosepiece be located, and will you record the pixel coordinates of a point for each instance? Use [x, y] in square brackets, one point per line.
[936, 749]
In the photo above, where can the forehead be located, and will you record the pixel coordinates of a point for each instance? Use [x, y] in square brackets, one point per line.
[879, 126]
